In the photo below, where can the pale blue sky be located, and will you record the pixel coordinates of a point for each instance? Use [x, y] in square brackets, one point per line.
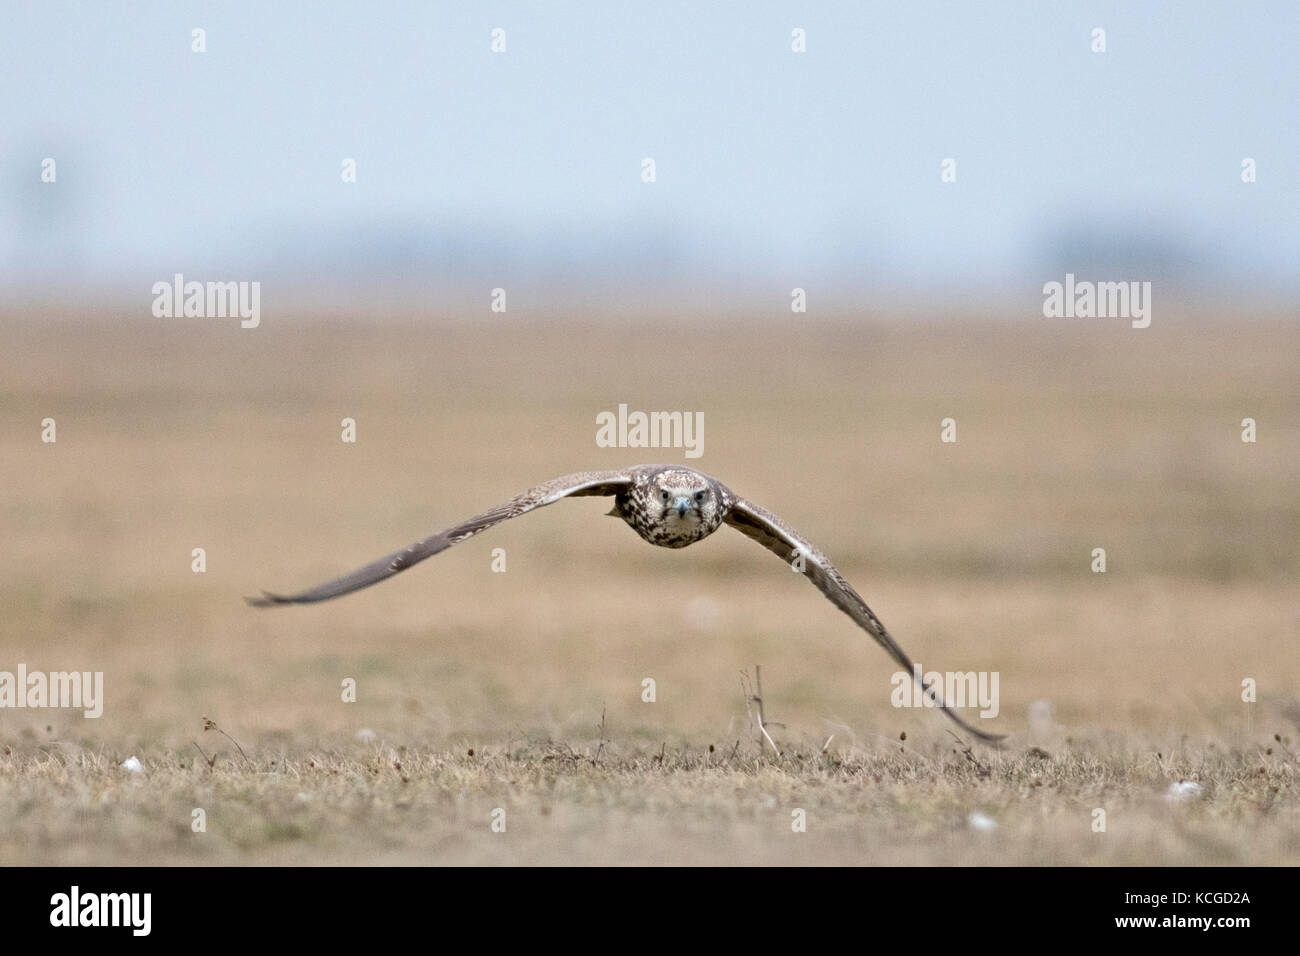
[772, 167]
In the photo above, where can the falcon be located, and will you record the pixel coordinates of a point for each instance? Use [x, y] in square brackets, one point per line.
[667, 505]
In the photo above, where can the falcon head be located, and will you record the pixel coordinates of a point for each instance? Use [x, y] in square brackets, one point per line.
[682, 504]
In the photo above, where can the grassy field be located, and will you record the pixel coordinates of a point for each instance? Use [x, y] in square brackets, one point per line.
[181, 434]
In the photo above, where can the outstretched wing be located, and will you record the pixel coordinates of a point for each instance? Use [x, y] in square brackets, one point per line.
[779, 538]
[568, 486]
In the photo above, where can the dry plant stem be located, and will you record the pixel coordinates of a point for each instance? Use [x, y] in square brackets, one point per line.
[758, 699]
[209, 724]
[210, 761]
[601, 746]
[966, 750]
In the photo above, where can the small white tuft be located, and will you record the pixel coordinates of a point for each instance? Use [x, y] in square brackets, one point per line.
[132, 765]
[1183, 790]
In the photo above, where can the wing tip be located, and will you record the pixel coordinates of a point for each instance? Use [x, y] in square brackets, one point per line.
[982, 735]
[268, 600]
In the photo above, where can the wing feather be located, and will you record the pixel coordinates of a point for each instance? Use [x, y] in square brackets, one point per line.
[778, 537]
[579, 484]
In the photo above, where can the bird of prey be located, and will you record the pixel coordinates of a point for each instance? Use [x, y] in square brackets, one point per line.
[668, 505]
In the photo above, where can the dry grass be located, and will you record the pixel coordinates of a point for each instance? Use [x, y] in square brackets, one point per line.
[174, 436]
[892, 805]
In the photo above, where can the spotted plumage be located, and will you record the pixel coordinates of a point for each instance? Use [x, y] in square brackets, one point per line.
[672, 507]
[669, 506]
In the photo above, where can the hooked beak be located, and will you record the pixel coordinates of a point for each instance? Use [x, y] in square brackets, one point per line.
[682, 505]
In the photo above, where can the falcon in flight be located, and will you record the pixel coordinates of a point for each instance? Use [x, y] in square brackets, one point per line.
[668, 505]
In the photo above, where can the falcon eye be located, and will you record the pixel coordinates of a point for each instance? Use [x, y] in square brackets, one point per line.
[665, 496]
[699, 496]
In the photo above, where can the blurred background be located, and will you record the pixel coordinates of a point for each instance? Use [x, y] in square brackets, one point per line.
[774, 170]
